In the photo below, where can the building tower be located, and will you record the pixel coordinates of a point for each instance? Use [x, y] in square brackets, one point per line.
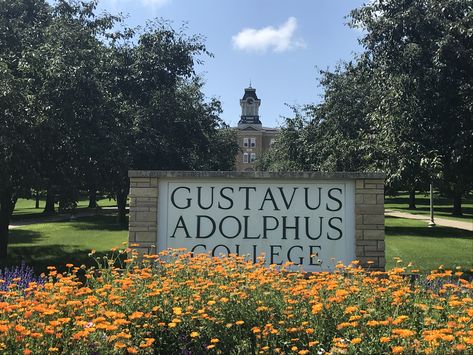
[253, 138]
[249, 108]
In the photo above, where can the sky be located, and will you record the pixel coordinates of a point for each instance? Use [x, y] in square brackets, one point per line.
[277, 45]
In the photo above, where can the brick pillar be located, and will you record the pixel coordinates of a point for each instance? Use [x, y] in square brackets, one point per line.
[143, 214]
[369, 224]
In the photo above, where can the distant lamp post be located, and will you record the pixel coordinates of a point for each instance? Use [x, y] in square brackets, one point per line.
[431, 222]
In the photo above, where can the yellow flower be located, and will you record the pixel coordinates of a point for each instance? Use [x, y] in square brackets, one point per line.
[214, 340]
[356, 340]
[194, 334]
[239, 322]
[172, 325]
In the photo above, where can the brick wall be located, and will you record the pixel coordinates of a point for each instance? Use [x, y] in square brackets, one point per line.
[143, 214]
[369, 223]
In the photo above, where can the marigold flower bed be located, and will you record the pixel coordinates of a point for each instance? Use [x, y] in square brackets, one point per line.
[176, 304]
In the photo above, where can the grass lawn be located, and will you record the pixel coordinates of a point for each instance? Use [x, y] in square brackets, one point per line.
[442, 206]
[59, 243]
[25, 208]
[427, 247]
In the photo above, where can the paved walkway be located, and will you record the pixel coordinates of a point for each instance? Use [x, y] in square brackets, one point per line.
[61, 217]
[438, 221]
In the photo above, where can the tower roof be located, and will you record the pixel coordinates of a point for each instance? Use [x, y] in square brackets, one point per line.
[250, 92]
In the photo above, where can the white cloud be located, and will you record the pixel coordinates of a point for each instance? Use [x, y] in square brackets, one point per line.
[268, 38]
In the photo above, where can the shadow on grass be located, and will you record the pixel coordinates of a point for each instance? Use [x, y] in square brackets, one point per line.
[101, 222]
[23, 236]
[40, 257]
[424, 231]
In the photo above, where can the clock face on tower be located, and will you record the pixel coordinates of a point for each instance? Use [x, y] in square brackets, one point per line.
[249, 101]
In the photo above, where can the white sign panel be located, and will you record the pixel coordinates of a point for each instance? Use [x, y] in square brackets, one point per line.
[307, 222]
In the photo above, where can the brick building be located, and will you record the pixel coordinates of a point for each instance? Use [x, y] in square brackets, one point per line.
[253, 138]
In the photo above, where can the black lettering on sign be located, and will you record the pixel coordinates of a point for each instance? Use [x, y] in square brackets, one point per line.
[174, 201]
[265, 225]
[247, 195]
[199, 226]
[180, 224]
[314, 254]
[287, 204]
[273, 253]
[268, 196]
[199, 245]
[289, 252]
[333, 198]
[307, 231]
[199, 198]
[306, 194]
[285, 227]
[246, 236]
[226, 198]
[340, 233]
[220, 227]
[214, 250]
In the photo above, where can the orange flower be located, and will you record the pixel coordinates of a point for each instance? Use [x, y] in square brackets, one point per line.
[397, 349]
[356, 340]
[119, 345]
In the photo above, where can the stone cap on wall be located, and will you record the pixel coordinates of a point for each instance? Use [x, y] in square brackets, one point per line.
[256, 174]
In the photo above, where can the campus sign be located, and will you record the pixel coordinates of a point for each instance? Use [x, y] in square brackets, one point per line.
[307, 221]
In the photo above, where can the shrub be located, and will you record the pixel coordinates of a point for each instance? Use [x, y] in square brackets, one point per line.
[177, 304]
[21, 276]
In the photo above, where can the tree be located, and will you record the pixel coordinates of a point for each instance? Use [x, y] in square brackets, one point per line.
[405, 100]
[422, 53]
[22, 26]
[335, 135]
[163, 120]
[83, 101]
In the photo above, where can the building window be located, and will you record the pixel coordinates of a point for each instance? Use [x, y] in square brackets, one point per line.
[245, 158]
[245, 142]
[253, 142]
[253, 157]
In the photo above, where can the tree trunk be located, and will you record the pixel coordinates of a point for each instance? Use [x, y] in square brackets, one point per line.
[412, 199]
[6, 210]
[121, 203]
[93, 198]
[457, 203]
[49, 207]
[37, 200]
